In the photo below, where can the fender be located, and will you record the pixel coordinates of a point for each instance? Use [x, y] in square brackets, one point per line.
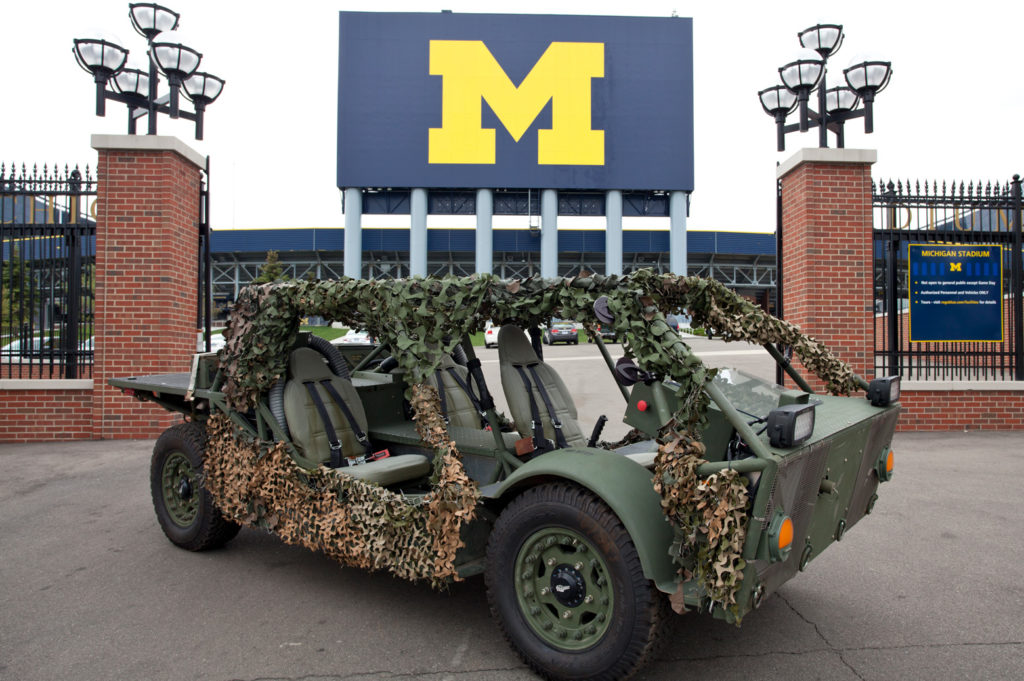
[622, 484]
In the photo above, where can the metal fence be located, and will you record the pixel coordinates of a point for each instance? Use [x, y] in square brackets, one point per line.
[48, 235]
[957, 214]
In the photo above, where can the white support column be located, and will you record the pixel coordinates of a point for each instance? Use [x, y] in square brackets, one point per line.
[677, 233]
[484, 231]
[549, 233]
[418, 233]
[613, 232]
[354, 233]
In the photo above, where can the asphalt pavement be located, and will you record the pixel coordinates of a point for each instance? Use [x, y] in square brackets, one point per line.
[929, 586]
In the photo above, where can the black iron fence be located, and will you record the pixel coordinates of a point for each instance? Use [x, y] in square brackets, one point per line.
[948, 216]
[48, 235]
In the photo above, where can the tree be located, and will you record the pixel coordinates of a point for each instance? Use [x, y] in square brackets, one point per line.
[13, 285]
[272, 270]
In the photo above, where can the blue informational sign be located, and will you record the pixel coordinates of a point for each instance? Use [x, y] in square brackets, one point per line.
[956, 292]
[515, 101]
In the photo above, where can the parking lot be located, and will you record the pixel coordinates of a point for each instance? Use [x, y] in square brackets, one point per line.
[928, 587]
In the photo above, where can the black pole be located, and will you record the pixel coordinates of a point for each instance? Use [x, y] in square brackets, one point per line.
[892, 282]
[152, 91]
[780, 132]
[822, 116]
[207, 262]
[779, 377]
[1017, 287]
[199, 277]
[101, 94]
[70, 337]
[200, 106]
[869, 112]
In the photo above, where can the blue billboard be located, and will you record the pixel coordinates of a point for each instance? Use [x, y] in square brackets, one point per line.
[956, 293]
[515, 101]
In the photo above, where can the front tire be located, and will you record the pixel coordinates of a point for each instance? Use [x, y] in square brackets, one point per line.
[184, 508]
[565, 583]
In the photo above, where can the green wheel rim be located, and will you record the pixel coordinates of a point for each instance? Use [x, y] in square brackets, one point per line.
[563, 588]
[180, 492]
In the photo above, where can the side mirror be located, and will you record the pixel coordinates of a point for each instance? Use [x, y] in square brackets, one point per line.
[628, 373]
[601, 310]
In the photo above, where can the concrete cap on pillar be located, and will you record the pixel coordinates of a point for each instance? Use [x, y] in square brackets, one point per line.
[816, 155]
[149, 143]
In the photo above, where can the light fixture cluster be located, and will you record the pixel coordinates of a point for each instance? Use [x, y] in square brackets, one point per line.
[137, 88]
[807, 74]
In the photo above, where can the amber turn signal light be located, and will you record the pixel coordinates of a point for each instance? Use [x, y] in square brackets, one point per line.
[780, 537]
[885, 465]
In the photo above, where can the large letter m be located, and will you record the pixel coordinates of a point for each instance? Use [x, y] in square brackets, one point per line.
[562, 75]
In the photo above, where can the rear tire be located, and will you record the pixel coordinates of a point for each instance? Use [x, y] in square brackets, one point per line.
[565, 584]
[184, 508]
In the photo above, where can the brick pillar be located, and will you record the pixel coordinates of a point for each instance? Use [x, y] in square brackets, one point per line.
[827, 256]
[146, 274]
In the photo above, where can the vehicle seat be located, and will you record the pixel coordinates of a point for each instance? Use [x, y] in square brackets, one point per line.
[458, 405]
[310, 435]
[515, 353]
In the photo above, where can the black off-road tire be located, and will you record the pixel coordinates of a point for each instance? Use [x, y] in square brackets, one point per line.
[183, 506]
[630, 628]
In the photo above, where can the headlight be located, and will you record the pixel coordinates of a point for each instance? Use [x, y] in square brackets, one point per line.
[884, 391]
[790, 425]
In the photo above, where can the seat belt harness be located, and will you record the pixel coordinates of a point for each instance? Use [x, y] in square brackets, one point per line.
[360, 435]
[540, 443]
[337, 460]
[555, 421]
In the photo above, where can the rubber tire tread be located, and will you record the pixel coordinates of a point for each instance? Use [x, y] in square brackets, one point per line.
[651, 615]
[210, 529]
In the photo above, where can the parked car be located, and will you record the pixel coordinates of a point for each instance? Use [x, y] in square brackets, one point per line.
[562, 332]
[19, 349]
[43, 349]
[491, 335]
[678, 322]
[355, 337]
[216, 342]
[606, 332]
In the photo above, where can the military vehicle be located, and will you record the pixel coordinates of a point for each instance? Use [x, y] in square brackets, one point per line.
[393, 457]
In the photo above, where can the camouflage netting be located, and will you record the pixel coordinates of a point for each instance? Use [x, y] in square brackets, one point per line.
[420, 319]
[355, 522]
[711, 514]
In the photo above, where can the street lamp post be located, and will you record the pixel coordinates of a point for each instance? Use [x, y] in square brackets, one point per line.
[803, 76]
[808, 74]
[136, 88]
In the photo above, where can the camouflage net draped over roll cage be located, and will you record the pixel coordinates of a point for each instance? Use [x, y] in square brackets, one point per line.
[420, 320]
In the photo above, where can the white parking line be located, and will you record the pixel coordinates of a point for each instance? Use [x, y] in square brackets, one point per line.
[579, 358]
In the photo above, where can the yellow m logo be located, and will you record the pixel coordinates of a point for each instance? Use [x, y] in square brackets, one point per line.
[955, 267]
[471, 73]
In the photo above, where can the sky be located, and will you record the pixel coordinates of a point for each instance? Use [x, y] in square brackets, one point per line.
[953, 110]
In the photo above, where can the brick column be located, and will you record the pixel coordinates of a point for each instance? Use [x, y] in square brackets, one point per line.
[827, 256]
[146, 274]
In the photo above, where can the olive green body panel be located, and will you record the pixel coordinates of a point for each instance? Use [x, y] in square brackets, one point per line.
[622, 484]
[825, 486]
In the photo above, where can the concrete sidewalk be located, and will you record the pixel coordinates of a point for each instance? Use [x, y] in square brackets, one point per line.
[928, 587]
